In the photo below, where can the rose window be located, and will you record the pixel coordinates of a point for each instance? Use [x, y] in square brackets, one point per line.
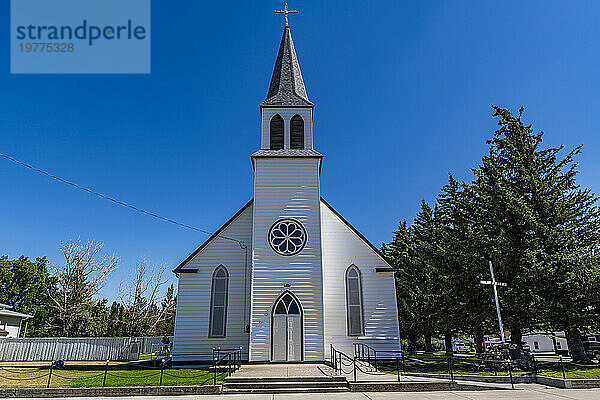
[287, 237]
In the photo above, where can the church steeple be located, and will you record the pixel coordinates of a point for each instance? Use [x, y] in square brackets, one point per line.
[287, 87]
[286, 114]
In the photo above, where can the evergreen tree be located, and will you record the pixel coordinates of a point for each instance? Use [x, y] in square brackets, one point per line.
[421, 289]
[400, 252]
[525, 212]
[469, 305]
[117, 323]
[541, 229]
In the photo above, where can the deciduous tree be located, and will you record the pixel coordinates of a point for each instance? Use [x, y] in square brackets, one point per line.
[26, 285]
[79, 279]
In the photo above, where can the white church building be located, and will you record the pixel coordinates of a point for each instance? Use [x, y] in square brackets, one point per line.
[287, 276]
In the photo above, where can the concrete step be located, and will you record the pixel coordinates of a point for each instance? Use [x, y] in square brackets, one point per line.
[284, 385]
[287, 390]
[300, 384]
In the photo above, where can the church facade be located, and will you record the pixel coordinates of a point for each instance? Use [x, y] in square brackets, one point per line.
[287, 276]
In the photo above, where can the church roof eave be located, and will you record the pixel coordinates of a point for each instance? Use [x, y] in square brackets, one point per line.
[289, 153]
[274, 103]
[181, 267]
[360, 235]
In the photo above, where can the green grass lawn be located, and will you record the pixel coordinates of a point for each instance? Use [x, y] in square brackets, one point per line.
[572, 371]
[422, 365]
[92, 375]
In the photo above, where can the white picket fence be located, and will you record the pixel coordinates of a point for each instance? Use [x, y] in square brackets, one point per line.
[146, 342]
[72, 349]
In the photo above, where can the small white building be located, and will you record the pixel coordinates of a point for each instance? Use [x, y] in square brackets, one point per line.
[10, 321]
[287, 276]
[543, 342]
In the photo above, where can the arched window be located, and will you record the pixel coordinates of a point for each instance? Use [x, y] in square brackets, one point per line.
[276, 130]
[297, 132]
[287, 305]
[354, 302]
[218, 302]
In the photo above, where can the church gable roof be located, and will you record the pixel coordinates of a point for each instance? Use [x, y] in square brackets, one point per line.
[181, 267]
[287, 86]
[360, 235]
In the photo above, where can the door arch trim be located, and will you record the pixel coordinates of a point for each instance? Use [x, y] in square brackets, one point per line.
[275, 303]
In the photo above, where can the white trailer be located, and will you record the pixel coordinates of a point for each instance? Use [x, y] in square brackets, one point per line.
[547, 342]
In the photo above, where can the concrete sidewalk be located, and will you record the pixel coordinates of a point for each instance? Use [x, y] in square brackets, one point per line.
[367, 378]
[523, 392]
[315, 370]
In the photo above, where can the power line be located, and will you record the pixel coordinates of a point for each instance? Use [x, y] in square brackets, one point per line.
[90, 191]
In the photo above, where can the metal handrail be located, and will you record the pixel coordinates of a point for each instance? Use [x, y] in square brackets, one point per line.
[337, 362]
[160, 350]
[225, 350]
[233, 357]
[364, 352]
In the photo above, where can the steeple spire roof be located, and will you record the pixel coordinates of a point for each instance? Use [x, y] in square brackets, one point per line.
[287, 87]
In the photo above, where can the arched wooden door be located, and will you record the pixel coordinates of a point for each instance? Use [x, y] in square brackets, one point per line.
[286, 330]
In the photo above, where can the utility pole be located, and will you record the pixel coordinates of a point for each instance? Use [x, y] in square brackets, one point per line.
[493, 283]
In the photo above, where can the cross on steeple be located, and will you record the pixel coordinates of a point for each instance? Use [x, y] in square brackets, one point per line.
[285, 11]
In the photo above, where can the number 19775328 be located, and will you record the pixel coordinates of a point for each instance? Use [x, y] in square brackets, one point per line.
[46, 47]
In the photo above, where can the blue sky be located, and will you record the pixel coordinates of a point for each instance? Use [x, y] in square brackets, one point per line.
[402, 93]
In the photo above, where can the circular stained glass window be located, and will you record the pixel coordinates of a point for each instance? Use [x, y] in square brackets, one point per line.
[287, 237]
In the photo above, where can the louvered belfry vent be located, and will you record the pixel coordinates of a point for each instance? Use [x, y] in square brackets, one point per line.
[297, 132]
[276, 130]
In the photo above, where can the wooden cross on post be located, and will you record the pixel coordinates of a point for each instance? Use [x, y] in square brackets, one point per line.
[494, 284]
[285, 12]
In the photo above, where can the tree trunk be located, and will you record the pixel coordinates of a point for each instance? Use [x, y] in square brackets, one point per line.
[428, 346]
[576, 349]
[479, 340]
[516, 337]
[448, 343]
[412, 342]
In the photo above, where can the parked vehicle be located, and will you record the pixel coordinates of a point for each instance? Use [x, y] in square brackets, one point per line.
[592, 346]
[461, 347]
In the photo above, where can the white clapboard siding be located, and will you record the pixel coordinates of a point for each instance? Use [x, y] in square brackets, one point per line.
[191, 342]
[12, 325]
[286, 114]
[286, 187]
[342, 247]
